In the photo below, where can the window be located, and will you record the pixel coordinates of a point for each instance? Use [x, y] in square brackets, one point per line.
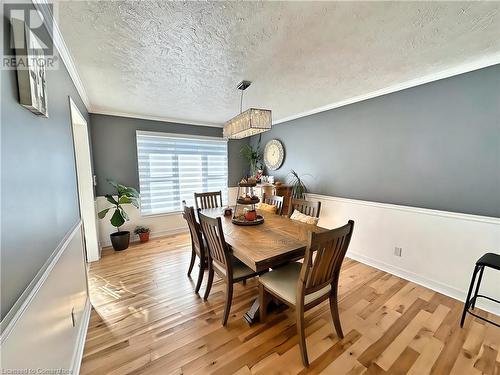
[172, 168]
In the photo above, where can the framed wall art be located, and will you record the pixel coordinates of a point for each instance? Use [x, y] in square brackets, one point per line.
[31, 70]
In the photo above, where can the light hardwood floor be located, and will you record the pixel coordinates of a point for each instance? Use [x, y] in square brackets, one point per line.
[147, 320]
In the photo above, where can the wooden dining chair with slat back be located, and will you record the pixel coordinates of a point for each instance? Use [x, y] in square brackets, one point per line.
[306, 285]
[220, 260]
[275, 201]
[310, 208]
[198, 246]
[211, 199]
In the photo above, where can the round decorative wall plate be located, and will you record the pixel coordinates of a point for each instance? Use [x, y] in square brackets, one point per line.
[274, 154]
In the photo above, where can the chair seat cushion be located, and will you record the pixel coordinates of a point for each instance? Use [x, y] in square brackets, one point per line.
[299, 216]
[283, 282]
[240, 269]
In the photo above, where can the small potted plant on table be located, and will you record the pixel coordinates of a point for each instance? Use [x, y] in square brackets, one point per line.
[124, 195]
[143, 233]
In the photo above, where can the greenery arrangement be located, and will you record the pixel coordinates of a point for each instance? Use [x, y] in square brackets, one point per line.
[299, 188]
[125, 195]
[253, 155]
[139, 230]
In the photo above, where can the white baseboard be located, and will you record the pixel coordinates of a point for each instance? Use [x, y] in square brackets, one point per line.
[169, 232]
[437, 286]
[82, 335]
[156, 234]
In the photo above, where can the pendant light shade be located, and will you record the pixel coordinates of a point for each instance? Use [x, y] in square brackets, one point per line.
[252, 121]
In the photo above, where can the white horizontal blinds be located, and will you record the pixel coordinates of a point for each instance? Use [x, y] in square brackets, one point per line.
[172, 169]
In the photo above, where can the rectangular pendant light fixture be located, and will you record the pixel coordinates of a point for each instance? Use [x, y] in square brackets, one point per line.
[252, 121]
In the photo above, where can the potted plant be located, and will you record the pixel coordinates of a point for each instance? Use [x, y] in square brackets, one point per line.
[143, 233]
[253, 156]
[124, 195]
[299, 188]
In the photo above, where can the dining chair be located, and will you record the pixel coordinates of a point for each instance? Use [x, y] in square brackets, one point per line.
[220, 260]
[305, 285]
[212, 199]
[275, 201]
[198, 246]
[310, 208]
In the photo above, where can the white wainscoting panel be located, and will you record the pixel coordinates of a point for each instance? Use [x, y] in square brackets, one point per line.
[160, 225]
[41, 335]
[439, 249]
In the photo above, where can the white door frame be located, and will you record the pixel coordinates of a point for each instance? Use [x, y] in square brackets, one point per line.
[85, 182]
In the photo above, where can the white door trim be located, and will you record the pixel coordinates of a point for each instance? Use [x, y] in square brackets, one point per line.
[86, 197]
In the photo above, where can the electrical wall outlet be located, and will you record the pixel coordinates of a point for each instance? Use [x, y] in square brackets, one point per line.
[398, 251]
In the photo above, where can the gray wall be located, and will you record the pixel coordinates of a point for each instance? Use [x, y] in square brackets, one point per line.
[433, 146]
[38, 179]
[115, 149]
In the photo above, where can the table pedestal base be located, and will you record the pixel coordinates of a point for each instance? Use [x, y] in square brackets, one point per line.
[252, 315]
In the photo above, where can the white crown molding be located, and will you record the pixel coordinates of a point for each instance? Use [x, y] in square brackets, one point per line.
[460, 69]
[70, 66]
[58, 40]
[155, 118]
[418, 210]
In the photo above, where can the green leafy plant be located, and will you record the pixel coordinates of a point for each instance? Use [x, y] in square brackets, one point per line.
[125, 195]
[253, 155]
[140, 229]
[299, 188]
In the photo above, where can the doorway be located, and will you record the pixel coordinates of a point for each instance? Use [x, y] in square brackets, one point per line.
[85, 183]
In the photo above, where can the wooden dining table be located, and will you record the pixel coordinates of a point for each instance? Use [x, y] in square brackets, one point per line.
[277, 241]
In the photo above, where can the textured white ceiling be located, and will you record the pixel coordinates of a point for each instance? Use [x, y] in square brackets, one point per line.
[182, 60]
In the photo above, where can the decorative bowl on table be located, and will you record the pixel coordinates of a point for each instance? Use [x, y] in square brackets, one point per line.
[241, 220]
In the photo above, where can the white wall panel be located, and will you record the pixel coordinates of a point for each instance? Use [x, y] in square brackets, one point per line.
[42, 335]
[439, 248]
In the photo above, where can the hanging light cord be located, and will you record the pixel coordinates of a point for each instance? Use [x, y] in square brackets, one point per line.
[241, 102]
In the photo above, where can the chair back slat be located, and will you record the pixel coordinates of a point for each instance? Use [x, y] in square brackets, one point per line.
[310, 208]
[194, 231]
[275, 201]
[212, 199]
[217, 247]
[330, 249]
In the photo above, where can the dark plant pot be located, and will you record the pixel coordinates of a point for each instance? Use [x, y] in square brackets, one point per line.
[120, 240]
[144, 237]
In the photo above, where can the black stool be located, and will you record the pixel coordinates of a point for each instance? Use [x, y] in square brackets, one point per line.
[491, 260]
